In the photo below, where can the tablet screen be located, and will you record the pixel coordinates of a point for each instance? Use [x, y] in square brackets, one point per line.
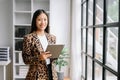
[55, 50]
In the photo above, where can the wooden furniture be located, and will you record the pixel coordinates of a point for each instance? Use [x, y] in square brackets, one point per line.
[4, 65]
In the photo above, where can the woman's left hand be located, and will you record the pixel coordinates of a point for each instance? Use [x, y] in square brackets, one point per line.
[45, 55]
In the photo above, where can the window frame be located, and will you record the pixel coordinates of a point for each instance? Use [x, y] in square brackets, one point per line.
[105, 25]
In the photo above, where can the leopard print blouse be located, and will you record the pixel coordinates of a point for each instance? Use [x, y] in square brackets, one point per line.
[30, 53]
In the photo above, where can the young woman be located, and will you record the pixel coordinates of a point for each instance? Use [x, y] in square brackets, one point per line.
[34, 46]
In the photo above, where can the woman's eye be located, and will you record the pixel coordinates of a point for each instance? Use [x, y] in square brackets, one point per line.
[39, 19]
[45, 19]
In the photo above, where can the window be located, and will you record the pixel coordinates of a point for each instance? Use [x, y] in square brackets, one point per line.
[100, 39]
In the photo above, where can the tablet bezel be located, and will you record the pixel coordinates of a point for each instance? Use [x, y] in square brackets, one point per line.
[55, 50]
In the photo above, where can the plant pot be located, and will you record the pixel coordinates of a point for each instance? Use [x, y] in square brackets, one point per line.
[60, 75]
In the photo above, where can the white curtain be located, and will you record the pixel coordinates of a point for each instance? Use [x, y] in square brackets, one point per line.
[75, 67]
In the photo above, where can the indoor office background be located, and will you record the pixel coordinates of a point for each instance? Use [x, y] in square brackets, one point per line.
[89, 28]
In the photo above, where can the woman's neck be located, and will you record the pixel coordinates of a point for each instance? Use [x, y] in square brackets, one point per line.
[40, 33]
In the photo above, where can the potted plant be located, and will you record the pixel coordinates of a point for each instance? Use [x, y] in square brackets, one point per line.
[62, 62]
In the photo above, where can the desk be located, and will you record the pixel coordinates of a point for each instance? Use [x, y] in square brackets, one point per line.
[4, 64]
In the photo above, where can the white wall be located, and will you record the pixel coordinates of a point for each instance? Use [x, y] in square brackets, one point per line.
[60, 22]
[5, 22]
[75, 72]
[5, 29]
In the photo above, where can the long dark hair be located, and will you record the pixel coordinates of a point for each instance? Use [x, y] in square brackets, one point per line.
[35, 15]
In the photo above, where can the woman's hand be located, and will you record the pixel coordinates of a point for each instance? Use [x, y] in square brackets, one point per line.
[45, 55]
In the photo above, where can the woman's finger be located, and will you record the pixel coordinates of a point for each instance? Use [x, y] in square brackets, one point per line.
[48, 55]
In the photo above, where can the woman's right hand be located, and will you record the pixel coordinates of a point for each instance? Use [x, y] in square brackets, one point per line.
[45, 55]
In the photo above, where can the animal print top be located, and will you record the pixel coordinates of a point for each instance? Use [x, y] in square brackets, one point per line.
[30, 53]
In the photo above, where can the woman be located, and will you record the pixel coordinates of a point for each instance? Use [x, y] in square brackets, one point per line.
[34, 46]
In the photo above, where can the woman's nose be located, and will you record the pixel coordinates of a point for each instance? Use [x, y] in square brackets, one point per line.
[42, 21]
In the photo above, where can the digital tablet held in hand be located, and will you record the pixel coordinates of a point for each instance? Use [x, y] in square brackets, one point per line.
[55, 50]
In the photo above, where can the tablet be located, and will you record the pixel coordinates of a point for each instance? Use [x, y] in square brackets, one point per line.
[55, 50]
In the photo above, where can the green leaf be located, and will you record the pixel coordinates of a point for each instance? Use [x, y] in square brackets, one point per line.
[61, 61]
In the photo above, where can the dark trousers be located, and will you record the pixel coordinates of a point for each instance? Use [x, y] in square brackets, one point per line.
[49, 68]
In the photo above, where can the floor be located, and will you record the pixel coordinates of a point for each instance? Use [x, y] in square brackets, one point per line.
[66, 78]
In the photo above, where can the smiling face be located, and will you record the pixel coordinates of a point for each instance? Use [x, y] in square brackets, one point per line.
[41, 22]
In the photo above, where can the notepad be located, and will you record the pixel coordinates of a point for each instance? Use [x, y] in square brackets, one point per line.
[55, 50]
